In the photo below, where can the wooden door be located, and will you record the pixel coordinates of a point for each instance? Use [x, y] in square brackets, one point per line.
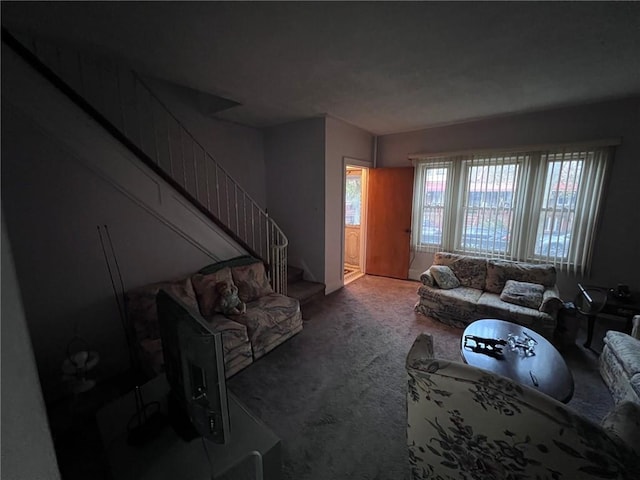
[352, 245]
[389, 221]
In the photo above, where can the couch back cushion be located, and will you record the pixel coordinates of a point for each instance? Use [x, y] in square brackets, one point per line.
[470, 271]
[142, 309]
[252, 281]
[204, 286]
[499, 271]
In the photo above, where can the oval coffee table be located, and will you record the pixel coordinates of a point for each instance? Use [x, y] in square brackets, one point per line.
[545, 371]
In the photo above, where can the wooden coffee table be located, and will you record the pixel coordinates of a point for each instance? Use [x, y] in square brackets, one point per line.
[545, 371]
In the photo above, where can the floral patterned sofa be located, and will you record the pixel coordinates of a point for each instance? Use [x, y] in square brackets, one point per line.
[270, 318]
[518, 292]
[620, 363]
[467, 423]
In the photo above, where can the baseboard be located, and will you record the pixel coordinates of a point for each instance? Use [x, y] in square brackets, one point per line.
[415, 274]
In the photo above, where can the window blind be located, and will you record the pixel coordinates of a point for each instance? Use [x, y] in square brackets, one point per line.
[537, 206]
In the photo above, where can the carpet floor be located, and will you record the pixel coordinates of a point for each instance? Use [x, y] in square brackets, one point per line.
[335, 393]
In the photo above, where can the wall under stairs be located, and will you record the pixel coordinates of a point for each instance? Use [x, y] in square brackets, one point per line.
[63, 176]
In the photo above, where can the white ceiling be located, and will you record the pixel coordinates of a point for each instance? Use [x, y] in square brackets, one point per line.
[385, 67]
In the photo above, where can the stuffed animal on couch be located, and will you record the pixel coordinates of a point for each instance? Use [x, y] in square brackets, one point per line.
[228, 302]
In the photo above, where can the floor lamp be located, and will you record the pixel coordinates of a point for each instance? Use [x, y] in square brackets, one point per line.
[145, 424]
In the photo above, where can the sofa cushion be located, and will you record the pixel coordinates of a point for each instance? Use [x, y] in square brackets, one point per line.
[461, 299]
[470, 271]
[142, 309]
[456, 307]
[268, 319]
[252, 281]
[522, 293]
[444, 277]
[499, 271]
[626, 349]
[233, 333]
[490, 306]
[457, 295]
[205, 287]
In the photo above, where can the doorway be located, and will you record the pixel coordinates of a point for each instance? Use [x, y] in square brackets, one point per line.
[355, 202]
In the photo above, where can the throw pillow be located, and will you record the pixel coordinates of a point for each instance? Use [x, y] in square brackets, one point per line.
[522, 293]
[444, 277]
[252, 281]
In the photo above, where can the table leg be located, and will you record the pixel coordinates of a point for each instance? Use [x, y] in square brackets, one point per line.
[591, 320]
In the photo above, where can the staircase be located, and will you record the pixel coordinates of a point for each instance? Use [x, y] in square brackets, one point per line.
[120, 101]
[304, 291]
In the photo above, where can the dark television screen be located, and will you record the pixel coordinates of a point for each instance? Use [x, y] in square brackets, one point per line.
[194, 365]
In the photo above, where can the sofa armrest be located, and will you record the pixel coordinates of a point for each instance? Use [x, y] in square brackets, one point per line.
[551, 301]
[623, 422]
[426, 278]
[421, 352]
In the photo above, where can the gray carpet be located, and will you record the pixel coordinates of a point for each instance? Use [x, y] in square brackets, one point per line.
[335, 393]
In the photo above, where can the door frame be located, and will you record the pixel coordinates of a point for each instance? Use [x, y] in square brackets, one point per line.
[354, 162]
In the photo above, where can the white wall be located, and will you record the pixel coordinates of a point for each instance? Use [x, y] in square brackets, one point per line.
[617, 255]
[238, 149]
[295, 156]
[342, 140]
[27, 447]
[62, 176]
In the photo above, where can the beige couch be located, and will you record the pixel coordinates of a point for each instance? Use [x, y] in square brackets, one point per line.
[270, 318]
[481, 291]
[467, 423]
[620, 364]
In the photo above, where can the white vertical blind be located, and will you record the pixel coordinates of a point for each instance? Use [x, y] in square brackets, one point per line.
[570, 206]
[538, 206]
[490, 198]
[431, 205]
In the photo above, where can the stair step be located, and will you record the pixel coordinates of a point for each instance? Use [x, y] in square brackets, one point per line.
[294, 274]
[305, 291]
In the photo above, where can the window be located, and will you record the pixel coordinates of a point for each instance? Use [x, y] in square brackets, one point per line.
[487, 206]
[353, 199]
[435, 185]
[537, 206]
[557, 215]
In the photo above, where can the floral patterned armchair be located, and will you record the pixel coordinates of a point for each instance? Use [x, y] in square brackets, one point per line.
[466, 423]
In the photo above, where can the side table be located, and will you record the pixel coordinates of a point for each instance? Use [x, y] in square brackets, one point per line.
[625, 308]
[252, 453]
